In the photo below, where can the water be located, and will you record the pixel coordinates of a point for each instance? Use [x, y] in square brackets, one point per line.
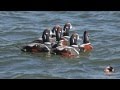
[20, 27]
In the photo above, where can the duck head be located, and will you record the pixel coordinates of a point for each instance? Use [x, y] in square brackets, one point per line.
[54, 30]
[73, 39]
[66, 29]
[46, 35]
[58, 33]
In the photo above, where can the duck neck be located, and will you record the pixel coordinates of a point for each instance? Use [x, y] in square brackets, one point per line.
[85, 38]
[58, 36]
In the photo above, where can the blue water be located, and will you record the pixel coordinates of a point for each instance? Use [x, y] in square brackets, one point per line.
[18, 28]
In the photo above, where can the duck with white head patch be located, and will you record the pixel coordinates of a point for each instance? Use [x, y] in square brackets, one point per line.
[59, 37]
[109, 70]
[43, 46]
[64, 50]
[66, 30]
[74, 41]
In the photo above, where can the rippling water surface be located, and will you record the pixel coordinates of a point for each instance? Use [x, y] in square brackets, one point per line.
[20, 27]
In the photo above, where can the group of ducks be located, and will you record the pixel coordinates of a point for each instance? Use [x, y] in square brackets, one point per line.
[58, 41]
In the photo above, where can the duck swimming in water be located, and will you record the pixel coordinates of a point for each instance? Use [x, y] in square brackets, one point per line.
[64, 50]
[74, 41]
[108, 70]
[59, 37]
[45, 33]
[43, 45]
[86, 46]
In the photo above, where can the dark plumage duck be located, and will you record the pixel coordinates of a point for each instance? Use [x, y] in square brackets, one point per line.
[86, 46]
[64, 50]
[108, 70]
[45, 33]
[59, 38]
[74, 41]
[43, 45]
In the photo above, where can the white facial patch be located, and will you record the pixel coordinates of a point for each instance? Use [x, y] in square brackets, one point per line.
[46, 33]
[60, 31]
[56, 29]
[67, 27]
[70, 26]
[73, 40]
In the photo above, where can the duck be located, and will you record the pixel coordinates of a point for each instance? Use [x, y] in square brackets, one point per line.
[43, 45]
[67, 49]
[74, 41]
[42, 39]
[55, 34]
[66, 30]
[109, 70]
[51, 38]
[64, 50]
[60, 38]
[86, 46]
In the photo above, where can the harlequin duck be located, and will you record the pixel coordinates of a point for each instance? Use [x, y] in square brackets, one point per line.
[43, 46]
[74, 41]
[64, 50]
[109, 70]
[86, 46]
